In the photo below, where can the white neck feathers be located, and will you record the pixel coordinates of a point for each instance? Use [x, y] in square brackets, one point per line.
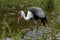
[29, 15]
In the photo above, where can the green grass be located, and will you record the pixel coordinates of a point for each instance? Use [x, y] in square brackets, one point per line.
[9, 11]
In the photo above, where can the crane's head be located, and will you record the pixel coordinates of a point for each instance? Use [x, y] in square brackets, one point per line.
[20, 15]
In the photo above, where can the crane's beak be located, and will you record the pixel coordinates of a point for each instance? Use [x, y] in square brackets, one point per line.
[19, 18]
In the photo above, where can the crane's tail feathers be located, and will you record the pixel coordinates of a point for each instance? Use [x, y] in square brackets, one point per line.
[43, 20]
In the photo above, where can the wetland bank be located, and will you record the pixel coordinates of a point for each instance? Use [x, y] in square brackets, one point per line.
[9, 12]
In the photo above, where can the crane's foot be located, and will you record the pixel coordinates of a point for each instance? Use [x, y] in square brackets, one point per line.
[23, 34]
[37, 29]
[46, 25]
[31, 28]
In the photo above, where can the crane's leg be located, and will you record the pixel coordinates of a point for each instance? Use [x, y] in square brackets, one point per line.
[31, 25]
[46, 21]
[36, 23]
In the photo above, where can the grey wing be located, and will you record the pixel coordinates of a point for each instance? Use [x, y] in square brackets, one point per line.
[33, 10]
[40, 13]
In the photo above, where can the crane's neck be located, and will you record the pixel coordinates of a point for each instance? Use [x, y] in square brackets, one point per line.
[26, 17]
[23, 15]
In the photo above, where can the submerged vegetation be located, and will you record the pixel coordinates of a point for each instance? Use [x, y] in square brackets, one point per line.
[9, 12]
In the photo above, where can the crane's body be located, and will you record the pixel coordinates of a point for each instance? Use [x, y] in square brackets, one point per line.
[33, 13]
[37, 12]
